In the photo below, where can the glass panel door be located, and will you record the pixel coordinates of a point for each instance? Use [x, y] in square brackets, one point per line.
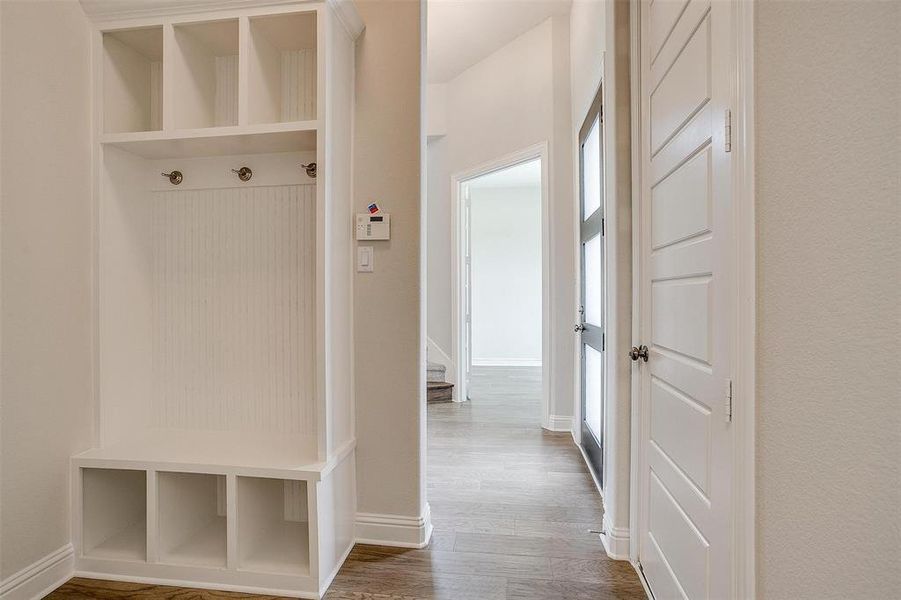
[592, 320]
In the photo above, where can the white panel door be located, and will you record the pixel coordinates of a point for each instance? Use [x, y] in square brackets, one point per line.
[686, 299]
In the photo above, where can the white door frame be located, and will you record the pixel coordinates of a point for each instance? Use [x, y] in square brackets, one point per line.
[745, 290]
[535, 152]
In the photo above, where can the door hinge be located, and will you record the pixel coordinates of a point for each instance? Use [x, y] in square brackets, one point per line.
[603, 342]
[728, 401]
[603, 227]
[728, 132]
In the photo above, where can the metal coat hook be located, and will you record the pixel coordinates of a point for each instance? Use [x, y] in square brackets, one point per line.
[175, 177]
[310, 169]
[244, 173]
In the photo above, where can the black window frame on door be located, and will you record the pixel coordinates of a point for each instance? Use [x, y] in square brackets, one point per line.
[592, 334]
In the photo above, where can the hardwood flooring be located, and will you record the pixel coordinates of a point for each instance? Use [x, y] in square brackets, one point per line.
[512, 506]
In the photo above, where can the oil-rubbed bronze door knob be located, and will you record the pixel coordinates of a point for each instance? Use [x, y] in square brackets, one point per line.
[639, 352]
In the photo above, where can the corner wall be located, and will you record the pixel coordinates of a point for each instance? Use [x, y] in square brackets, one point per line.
[828, 152]
[45, 248]
[388, 303]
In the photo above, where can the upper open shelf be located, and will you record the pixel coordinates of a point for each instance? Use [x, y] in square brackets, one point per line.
[132, 80]
[205, 65]
[282, 68]
[217, 141]
[182, 78]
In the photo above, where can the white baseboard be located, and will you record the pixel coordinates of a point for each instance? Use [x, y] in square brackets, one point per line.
[394, 530]
[615, 540]
[41, 577]
[560, 423]
[331, 577]
[506, 362]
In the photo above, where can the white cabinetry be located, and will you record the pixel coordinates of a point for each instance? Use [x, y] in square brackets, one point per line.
[224, 448]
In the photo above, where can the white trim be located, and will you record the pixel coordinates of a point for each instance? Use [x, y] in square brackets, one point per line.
[191, 583]
[537, 151]
[616, 540]
[563, 423]
[347, 14]
[101, 11]
[41, 577]
[331, 577]
[745, 386]
[635, 433]
[394, 530]
[506, 362]
[644, 580]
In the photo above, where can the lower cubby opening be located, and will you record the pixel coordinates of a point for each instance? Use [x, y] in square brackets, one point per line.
[114, 523]
[192, 522]
[273, 526]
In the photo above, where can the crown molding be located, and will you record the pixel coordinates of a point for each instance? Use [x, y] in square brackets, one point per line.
[346, 11]
[101, 11]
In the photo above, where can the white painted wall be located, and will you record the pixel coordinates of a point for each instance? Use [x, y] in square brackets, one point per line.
[45, 228]
[388, 303]
[828, 88]
[506, 275]
[513, 99]
[436, 110]
[439, 240]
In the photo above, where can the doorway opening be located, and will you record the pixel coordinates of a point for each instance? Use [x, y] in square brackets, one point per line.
[500, 276]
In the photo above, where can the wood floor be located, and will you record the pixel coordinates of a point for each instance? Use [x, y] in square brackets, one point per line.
[512, 507]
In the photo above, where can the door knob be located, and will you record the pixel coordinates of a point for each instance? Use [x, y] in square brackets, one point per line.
[639, 352]
[579, 328]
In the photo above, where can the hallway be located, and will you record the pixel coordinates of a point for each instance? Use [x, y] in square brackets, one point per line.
[512, 507]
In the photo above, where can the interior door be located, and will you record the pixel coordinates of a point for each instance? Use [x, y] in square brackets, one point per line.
[686, 299]
[592, 313]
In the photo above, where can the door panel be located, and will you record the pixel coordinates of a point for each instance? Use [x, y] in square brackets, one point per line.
[685, 543]
[592, 315]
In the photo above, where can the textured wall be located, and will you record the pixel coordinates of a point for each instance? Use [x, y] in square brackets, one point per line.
[829, 375]
[45, 173]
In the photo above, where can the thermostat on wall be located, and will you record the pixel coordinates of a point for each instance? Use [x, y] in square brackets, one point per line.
[374, 227]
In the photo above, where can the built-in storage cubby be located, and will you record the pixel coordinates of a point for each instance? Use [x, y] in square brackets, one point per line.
[224, 452]
[132, 80]
[273, 525]
[205, 65]
[114, 521]
[282, 68]
[192, 519]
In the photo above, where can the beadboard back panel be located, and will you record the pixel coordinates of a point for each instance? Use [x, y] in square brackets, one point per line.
[226, 110]
[298, 85]
[233, 309]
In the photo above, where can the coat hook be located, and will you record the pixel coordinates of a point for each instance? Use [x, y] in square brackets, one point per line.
[244, 173]
[310, 169]
[175, 177]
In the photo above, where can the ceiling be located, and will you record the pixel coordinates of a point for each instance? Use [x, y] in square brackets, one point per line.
[463, 32]
[521, 175]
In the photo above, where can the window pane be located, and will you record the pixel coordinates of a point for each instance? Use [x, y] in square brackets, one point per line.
[594, 389]
[593, 280]
[591, 170]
